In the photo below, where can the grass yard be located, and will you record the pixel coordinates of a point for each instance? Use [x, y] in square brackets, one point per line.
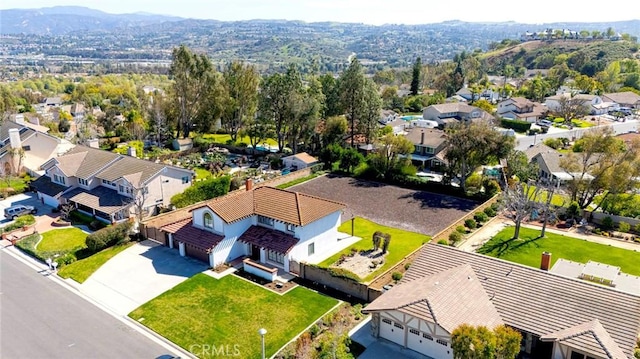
[223, 138]
[82, 269]
[18, 184]
[557, 199]
[228, 312]
[68, 240]
[300, 180]
[528, 248]
[402, 243]
[202, 173]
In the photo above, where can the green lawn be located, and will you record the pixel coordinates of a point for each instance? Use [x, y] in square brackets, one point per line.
[223, 138]
[528, 248]
[228, 312]
[402, 243]
[202, 173]
[18, 184]
[300, 180]
[82, 269]
[556, 200]
[68, 240]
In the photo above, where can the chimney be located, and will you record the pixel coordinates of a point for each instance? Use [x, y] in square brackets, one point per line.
[545, 263]
[248, 184]
[93, 143]
[422, 137]
[131, 151]
[14, 138]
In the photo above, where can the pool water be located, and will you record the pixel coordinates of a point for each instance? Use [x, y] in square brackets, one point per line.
[412, 117]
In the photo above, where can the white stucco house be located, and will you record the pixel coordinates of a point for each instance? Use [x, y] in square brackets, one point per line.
[454, 112]
[299, 161]
[107, 185]
[274, 228]
[594, 105]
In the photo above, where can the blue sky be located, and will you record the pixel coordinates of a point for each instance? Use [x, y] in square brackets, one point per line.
[366, 11]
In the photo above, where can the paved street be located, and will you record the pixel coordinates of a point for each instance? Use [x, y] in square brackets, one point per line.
[524, 142]
[43, 319]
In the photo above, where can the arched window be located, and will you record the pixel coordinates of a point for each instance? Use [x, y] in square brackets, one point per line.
[208, 220]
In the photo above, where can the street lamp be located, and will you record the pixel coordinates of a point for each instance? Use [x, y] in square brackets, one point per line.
[262, 332]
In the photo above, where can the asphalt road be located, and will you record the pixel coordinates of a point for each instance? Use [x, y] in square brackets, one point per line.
[42, 319]
[619, 127]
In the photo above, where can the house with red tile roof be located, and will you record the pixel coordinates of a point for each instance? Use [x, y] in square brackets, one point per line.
[273, 227]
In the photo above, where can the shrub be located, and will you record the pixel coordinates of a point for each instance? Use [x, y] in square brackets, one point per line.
[108, 237]
[471, 223]
[491, 187]
[343, 273]
[516, 125]
[21, 221]
[480, 217]
[636, 228]
[461, 229]
[406, 266]
[495, 206]
[78, 217]
[490, 212]
[607, 223]
[396, 276]
[202, 191]
[443, 242]
[454, 237]
[624, 227]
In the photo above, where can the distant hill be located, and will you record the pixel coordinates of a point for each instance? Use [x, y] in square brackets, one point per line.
[60, 20]
[587, 57]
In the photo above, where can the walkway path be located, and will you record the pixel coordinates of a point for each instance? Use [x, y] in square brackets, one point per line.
[497, 224]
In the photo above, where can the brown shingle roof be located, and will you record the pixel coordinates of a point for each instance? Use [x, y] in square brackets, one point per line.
[623, 98]
[450, 298]
[282, 205]
[537, 301]
[184, 231]
[102, 199]
[84, 162]
[589, 336]
[134, 169]
[269, 239]
[539, 147]
[432, 137]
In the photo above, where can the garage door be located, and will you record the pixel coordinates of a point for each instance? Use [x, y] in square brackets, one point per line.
[197, 253]
[392, 331]
[48, 200]
[425, 344]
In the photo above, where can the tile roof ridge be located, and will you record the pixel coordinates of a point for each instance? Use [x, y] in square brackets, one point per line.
[298, 210]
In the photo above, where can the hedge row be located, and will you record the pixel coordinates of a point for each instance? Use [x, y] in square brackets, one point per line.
[202, 191]
[108, 236]
[516, 125]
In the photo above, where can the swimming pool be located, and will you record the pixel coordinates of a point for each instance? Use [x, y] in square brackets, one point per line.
[412, 117]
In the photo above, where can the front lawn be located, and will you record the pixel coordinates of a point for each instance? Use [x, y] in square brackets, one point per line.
[67, 240]
[402, 243]
[528, 249]
[557, 200]
[223, 138]
[228, 313]
[82, 269]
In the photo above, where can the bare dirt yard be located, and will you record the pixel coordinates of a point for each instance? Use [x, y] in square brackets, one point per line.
[411, 210]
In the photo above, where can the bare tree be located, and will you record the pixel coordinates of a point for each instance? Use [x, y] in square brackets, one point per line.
[519, 200]
[570, 108]
[141, 194]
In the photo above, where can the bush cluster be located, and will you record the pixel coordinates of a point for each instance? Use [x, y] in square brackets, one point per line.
[108, 236]
[454, 237]
[471, 223]
[21, 221]
[516, 125]
[202, 191]
[480, 217]
[343, 273]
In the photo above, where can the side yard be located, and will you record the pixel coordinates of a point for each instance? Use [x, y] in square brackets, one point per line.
[527, 250]
[228, 312]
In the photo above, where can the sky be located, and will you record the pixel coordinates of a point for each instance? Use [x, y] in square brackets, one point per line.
[375, 12]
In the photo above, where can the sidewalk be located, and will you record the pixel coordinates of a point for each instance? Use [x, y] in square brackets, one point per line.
[498, 223]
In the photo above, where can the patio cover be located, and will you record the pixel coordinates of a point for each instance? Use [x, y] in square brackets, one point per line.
[269, 239]
[101, 199]
[184, 231]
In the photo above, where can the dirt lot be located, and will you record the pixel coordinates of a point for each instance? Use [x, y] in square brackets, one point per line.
[392, 206]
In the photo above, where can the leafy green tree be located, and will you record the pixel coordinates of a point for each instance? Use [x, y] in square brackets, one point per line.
[331, 154]
[7, 103]
[469, 342]
[391, 156]
[306, 103]
[352, 97]
[415, 77]
[192, 79]
[330, 87]
[259, 130]
[368, 124]
[240, 96]
[335, 128]
[470, 146]
[350, 159]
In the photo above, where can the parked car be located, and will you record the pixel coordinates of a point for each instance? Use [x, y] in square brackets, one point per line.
[546, 123]
[14, 212]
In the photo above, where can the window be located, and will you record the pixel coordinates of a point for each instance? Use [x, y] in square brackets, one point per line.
[83, 181]
[265, 220]
[121, 188]
[186, 179]
[387, 321]
[413, 331]
[427, 336]
[398, 325]
[208, 220]
[104, 181]
[291, 228]
[311, 249]
[59, 179]
[275, 257]
[441, 342]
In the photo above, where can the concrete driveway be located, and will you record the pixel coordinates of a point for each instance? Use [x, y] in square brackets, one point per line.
[139, 274]
[29, 199]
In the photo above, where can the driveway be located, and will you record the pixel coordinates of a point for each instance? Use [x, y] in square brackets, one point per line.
[139, 274]
[29, 199]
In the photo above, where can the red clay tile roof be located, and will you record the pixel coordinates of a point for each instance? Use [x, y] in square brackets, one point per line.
[449, 298]
[282, 205]
[269, 239]
[537, 301]
[590, 337]
[184, 231]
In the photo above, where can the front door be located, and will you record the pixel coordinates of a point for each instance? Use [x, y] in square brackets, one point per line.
[255, 253]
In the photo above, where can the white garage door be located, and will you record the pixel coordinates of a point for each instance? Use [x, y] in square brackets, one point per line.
[425, 344]
[48, 200]
[392, 331]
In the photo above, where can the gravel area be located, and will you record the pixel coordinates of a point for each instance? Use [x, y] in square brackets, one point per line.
[392, 206]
